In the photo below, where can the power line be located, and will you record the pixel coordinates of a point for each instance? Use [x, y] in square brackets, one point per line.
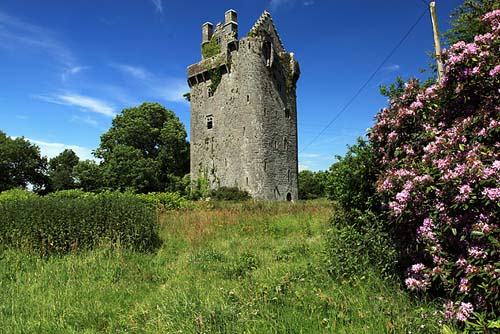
[355, 96]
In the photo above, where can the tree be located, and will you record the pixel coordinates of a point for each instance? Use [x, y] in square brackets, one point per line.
[21, 164]
[312, 185]
[144, 150]
[467, 20]
[351, 180]
[87, 175]
[61, 170]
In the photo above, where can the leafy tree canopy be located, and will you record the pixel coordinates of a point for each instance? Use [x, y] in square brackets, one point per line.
[21, 164]
[466, 20]
[61, 170]
[312, 185]
[144, 150]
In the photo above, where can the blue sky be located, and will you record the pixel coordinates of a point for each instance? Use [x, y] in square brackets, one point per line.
[67, 67]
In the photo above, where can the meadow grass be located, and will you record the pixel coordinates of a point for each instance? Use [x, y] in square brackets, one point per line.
[223, 268]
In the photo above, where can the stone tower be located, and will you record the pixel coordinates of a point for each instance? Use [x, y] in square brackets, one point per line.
[244, 111]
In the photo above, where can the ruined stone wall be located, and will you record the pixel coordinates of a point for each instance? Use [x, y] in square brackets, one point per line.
[253, 142]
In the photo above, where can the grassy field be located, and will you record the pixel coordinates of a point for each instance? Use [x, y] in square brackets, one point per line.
[232, 268]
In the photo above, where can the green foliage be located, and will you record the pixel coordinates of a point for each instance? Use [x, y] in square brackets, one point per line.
[215, 78]
[312, 185]
[61, 170]
[466, 20]
[21, 164]
[73, 220]
[357, 241]
[351, 180]
[144, 149]
[211, 48]
[229, 194]
[16, 194]
[165, 201]
[88, 175]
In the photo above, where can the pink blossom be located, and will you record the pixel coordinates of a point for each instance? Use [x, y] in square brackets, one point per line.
[449, 310]
[464, 311]
[416, 285]
[492, 193]
[494, 72]
[403, 196]
[464, 285]
[477, 252]
[416, 268]
[461, 263]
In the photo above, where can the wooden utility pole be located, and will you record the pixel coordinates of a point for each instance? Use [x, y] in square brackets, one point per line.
[437, 42]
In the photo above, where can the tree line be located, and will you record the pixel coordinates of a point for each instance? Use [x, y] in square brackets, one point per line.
[145, 150]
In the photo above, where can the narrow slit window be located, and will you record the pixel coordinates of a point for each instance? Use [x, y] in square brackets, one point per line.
[285, 144]
[287, 113]
[210, 122]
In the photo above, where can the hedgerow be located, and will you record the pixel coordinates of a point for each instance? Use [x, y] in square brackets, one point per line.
[440, 153]
[70, 221]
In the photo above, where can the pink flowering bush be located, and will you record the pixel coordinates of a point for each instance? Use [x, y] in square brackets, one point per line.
[439, 147]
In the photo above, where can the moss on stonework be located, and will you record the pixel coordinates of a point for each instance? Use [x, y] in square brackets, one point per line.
[210, 48]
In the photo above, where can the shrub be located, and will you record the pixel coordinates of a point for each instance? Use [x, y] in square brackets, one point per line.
[229, 194]
[16, 194]
[441, 182]
[356, 243]
[58, 224]
[165, 201]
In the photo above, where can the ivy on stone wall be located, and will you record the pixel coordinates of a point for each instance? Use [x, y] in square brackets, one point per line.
[210, 48]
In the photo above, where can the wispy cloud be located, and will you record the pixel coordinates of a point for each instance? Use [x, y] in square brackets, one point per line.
[167, 88]
[158, 5]
[391, 68]
[309, 3]
[53, 149]
[72, 71]
[278, 3]
[134, 71]
[16, 33]
[86, 103]
[22, 117]
[84, 120]
[303, 167]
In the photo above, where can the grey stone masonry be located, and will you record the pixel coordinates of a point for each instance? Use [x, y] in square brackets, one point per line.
[244, 111]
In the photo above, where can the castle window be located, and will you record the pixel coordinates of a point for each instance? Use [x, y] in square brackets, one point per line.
[287, 113]
[265, 111]
[276, 144]
[265, 165]
[210, 92]
[219, 40]
[285, 144]
[247, 180]
[210, 122]
[244, 131]
[248, 98]
[288, 175]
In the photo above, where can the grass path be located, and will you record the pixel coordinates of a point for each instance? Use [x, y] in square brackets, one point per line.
[252, 268]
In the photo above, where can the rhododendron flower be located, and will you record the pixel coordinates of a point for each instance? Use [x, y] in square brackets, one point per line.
[464, 285]
[416, 285]
[464, 311]
[492, 193]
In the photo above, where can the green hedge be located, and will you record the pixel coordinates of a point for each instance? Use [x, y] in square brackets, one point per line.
[68, 221]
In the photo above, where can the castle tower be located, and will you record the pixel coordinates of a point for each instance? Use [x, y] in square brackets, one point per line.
[244, 111]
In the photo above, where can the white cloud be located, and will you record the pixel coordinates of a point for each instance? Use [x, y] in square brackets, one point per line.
[134, 71]
[309, 3]
[303, 167]
[23, 117]
[158, 5]
[277, 3]
[53, 149]
[86, 120]
[72, 71]
[392, 68]
[167, 88]
[86, 103]
[16, 33]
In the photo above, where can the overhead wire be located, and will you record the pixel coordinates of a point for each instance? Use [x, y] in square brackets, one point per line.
[358, 92]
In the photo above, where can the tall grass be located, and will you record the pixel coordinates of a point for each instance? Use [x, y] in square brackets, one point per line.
[223, 268]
